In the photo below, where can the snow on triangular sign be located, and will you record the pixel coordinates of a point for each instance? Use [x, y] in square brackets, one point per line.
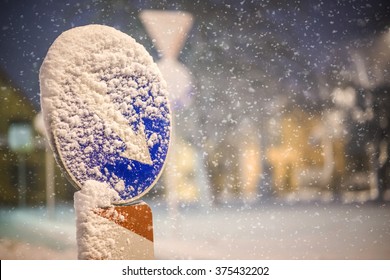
[168, 29]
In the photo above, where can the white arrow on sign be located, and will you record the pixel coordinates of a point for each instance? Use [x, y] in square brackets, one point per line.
[94, 94]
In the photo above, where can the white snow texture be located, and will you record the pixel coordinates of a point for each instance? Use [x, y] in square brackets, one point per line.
[97, 84]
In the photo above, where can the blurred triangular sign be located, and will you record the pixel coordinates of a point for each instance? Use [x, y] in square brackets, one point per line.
[168, 29]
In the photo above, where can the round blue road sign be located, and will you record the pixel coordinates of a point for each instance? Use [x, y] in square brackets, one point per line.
[106, 111]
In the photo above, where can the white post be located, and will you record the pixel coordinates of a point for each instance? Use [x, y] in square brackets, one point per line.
[169, 30]
[49, 166]
[50, 182]
[109, 232]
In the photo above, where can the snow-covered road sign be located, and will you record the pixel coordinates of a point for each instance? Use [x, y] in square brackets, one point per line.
[105, 107]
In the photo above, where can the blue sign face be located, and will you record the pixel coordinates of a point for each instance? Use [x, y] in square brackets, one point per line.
[105, 107]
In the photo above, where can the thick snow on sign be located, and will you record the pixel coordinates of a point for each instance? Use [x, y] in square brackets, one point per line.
[105, 107]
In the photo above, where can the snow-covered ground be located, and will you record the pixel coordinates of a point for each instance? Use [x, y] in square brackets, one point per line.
[32, 234]
[270, 231]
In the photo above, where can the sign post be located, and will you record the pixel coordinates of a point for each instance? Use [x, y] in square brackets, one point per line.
[169, 31]
[49, 167]
[106, 111]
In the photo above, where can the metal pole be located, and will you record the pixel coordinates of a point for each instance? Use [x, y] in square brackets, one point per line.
[22, 180]
[50, 180]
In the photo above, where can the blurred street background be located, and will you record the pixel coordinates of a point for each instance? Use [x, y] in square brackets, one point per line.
[281, 114]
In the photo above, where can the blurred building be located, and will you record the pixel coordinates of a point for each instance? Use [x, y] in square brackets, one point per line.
[22, 164]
